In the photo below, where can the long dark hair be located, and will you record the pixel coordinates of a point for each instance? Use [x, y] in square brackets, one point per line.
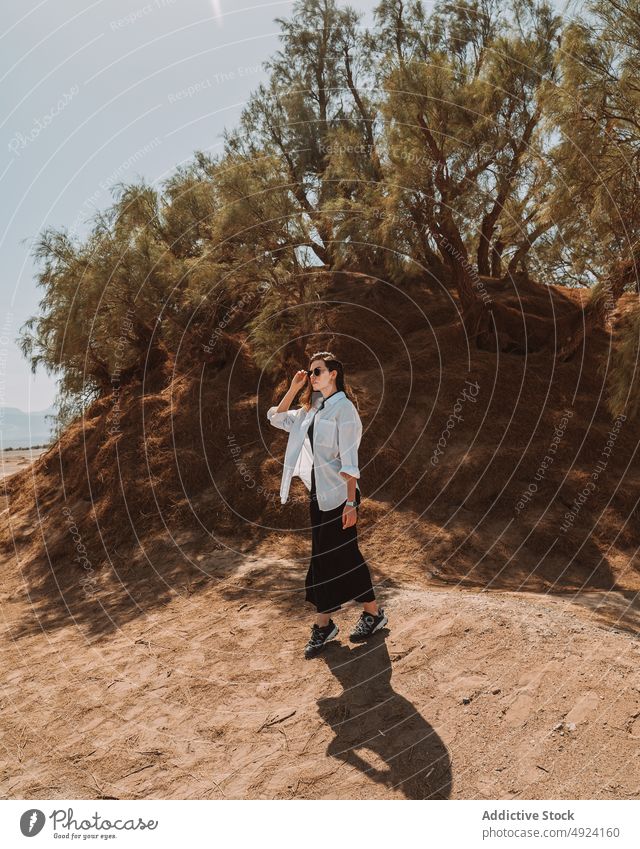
[333, 364]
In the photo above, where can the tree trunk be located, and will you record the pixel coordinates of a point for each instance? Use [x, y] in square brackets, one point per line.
[478, 312]
[496, 258]
[601, 303]
[486, 235]
[490, 220]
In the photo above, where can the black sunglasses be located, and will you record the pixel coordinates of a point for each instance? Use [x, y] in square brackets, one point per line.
[317, 370]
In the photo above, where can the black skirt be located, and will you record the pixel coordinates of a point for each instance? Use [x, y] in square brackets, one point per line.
[338, 572]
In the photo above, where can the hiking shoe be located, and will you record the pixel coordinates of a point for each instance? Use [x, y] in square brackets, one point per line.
[319, 638]
[367, 625]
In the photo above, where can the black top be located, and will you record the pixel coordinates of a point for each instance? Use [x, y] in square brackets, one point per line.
[310, 431]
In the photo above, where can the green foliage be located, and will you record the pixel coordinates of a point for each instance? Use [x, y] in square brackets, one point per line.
[482, 135]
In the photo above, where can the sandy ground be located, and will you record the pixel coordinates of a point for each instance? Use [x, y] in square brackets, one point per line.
[14, 461]
[469, 694]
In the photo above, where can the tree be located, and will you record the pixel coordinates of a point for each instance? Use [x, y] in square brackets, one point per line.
[596, 107]
[312, 103]
[461, 114]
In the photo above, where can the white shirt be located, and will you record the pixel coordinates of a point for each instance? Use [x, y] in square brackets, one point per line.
[337, 431]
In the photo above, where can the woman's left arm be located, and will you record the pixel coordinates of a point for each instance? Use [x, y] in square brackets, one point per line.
[349, 433]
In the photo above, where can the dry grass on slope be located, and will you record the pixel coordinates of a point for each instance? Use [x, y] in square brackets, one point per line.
[197, 454]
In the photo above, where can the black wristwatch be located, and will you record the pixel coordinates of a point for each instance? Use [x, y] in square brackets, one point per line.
[351, 503]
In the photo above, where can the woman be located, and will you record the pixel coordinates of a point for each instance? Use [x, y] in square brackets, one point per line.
[324, 436]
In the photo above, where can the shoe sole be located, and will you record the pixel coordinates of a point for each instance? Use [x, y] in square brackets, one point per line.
[333, 634]
[364, 639]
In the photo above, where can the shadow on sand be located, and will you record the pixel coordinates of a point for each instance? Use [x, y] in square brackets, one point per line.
[370, 715]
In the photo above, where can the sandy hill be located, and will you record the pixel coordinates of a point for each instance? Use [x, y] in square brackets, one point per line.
[152, 579]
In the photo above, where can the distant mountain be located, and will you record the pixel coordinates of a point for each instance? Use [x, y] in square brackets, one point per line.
[22, 430]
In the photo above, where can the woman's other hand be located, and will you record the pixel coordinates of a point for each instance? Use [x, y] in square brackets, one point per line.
[349, 517]
[299, 379]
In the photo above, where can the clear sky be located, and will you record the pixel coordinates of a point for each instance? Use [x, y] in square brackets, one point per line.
[100, 91]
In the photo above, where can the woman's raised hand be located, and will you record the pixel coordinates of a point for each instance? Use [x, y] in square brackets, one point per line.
[299, 379]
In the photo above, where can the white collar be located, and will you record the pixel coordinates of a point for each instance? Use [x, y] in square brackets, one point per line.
[317, 401]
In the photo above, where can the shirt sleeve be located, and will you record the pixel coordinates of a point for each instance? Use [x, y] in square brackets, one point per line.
[284, 421]
[349, 433]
